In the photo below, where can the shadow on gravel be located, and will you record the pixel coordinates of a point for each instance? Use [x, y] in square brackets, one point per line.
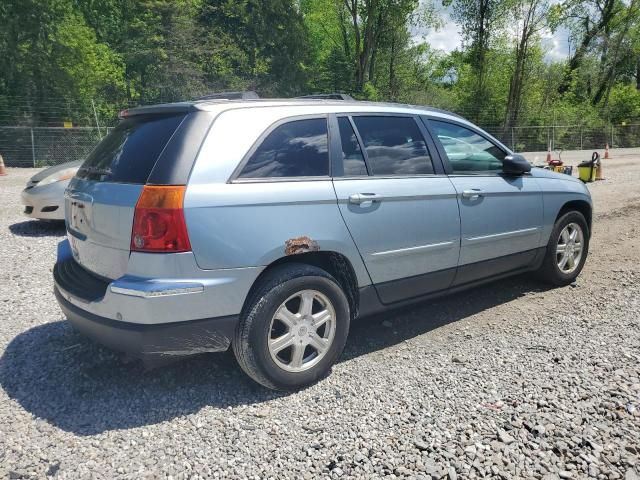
[369, 334]
[78, 386]
[38, 228]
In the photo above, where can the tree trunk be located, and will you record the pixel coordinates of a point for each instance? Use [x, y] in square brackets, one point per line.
[358, 46]
[532, 20]
[610, 74]
[368, 40]
[374, 48]
[589, 36]
[346, 44]
[392, 69]
[479, 60]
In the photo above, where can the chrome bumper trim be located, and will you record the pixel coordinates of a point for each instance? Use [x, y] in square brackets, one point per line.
[158, 290]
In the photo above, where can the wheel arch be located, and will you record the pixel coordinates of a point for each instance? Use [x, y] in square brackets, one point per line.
[334, 263]
[581, 206]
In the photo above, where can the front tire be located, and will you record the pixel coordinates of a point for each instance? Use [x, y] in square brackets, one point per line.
[567, 250]
[293, 328]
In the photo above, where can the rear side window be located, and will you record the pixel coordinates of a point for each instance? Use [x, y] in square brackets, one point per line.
[394, 145]
[294, 149]
[130, 151]
[352, 157]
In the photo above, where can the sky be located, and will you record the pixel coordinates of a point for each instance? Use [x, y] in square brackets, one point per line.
[448, 38]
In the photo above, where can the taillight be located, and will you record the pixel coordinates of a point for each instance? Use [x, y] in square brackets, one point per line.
[158, 221]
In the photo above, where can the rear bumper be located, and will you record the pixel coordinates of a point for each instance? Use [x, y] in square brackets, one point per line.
[139, 340]
[188, 311]
[157, 289]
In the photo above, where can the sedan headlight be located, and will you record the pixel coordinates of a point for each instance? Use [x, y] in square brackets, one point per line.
[65, 174]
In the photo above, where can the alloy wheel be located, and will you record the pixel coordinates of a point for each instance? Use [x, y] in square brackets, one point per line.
[570, 248]
[302, 331]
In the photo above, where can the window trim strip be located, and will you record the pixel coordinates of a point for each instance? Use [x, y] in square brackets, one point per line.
[336, 166]
[363, 151]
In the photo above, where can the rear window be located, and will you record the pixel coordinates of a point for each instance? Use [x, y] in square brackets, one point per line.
[295, 149]
[130, 151]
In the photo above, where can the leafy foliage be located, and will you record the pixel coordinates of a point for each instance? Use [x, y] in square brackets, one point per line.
[59, 58]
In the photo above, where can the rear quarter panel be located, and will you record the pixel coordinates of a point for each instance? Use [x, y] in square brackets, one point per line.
[251, 224]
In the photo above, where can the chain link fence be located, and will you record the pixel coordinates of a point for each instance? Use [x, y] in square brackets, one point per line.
[42, 146]
[568, 137]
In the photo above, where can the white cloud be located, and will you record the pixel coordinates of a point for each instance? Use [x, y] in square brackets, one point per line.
[447, 39]
[555, 45]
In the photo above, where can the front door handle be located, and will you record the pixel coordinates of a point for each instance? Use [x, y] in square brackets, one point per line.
[472, 193]
[359, 198]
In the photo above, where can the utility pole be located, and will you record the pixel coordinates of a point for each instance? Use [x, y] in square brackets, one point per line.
[33, 148]
[553, 131]
[95, 114]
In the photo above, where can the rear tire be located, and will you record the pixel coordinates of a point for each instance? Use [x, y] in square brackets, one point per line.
[293, 327]
[567, 250]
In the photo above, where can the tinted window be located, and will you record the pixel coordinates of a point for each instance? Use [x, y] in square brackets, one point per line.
[294, 149]
[467, 151]
[352, 157]
[130, 151]
[394, 145]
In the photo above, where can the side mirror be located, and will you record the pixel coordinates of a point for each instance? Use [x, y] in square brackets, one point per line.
[515, 164]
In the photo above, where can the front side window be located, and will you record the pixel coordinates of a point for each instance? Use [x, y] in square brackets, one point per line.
[467, 151]
[294, 149]
[394, 145]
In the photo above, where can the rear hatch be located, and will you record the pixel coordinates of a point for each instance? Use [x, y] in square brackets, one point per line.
[100, 201]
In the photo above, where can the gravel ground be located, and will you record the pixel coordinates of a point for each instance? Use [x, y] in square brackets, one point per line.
[511, 380]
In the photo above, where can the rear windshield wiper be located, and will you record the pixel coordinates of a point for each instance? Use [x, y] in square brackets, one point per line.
[96, 170]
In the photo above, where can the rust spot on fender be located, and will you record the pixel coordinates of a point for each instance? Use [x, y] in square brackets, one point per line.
[304, 244]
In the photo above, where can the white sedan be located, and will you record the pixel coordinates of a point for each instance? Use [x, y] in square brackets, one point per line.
[44, 196]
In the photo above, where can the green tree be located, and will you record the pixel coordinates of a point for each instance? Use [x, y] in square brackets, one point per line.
[47, 51]
[587, 20]
[529, 17]
[264, 42]
[480, 21]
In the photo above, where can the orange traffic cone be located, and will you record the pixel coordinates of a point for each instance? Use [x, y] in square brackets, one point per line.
[606, 151]
[3, 171]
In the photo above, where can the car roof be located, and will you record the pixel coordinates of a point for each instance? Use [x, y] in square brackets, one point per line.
[301, 107]
[220, 105]
[341, 105]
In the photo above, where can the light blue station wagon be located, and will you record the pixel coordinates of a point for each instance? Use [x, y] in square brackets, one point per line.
[269, 225]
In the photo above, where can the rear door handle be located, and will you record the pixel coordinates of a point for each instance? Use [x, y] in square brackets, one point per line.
[359, 198]
[472, 193]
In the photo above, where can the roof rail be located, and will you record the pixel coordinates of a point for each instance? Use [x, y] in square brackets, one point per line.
[441, 110]
[247, 95]
[328, 96]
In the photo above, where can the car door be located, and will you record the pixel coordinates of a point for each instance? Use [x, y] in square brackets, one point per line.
[397, 203]
[501, 215]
